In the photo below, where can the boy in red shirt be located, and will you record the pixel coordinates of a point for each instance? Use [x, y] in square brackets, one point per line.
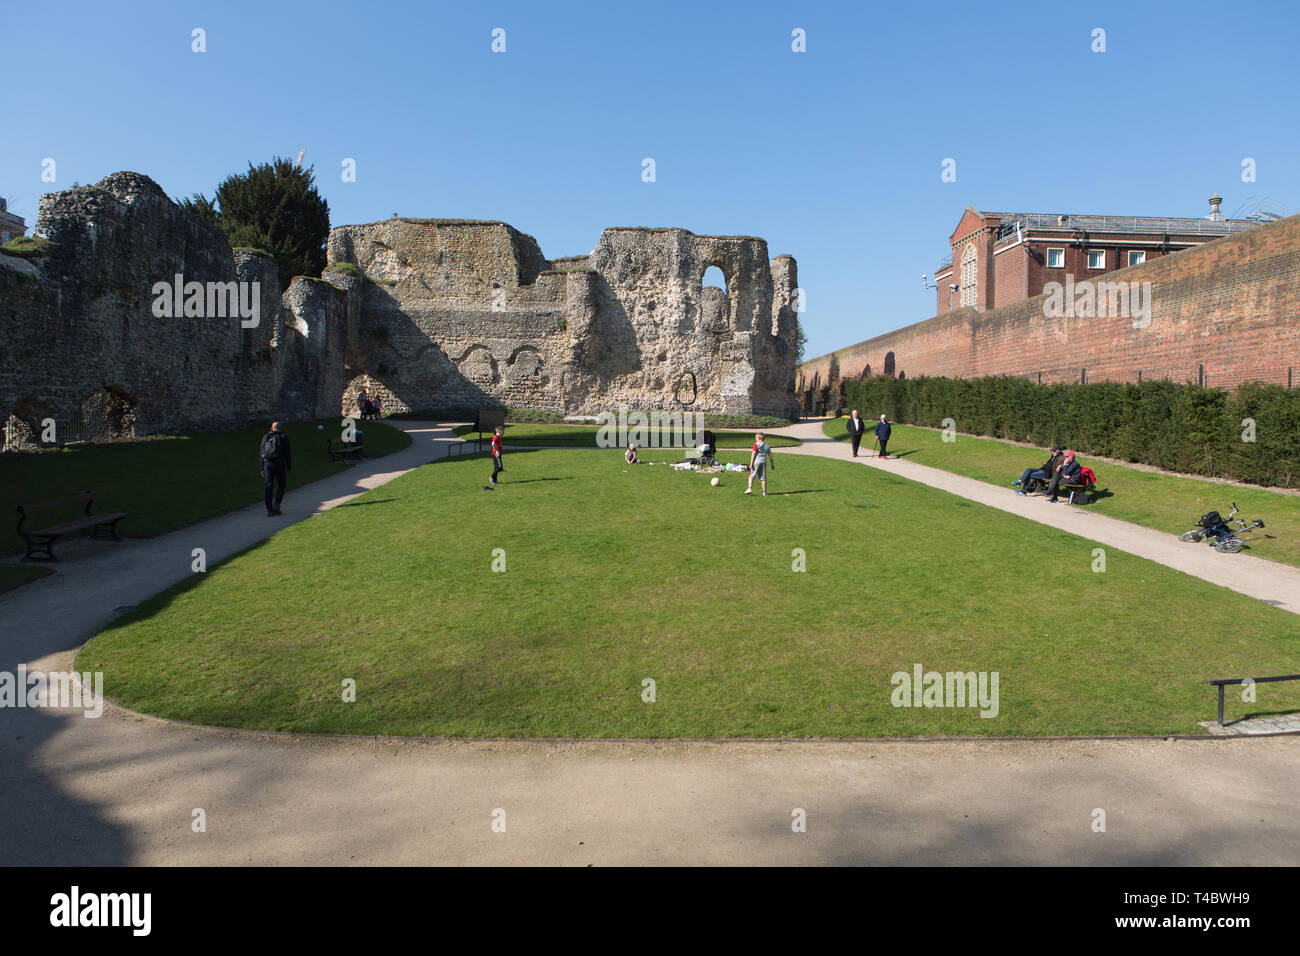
[497, 467]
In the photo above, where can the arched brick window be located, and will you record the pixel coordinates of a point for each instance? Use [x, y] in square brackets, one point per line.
[968, 276]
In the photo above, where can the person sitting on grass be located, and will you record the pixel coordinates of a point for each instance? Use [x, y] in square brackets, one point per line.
[760, 459]
[1043, 473]
[1066, 472]
[630, 455]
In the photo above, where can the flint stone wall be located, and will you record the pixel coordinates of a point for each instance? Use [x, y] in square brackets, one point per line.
[458, 313]
[441, 314]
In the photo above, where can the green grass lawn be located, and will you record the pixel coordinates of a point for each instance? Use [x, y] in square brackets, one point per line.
[12, 575]
[615, 574]
[1152, 499]
[584, 436]
[166, 483]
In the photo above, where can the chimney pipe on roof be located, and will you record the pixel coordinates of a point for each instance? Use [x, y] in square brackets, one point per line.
[1215, 202]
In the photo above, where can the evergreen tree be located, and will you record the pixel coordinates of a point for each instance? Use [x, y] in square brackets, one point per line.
[273, 207]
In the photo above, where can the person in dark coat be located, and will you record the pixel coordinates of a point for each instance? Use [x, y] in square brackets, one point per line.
[276, 460]
[1047, 470]
[857, 427]
[882, 436]
[1066, 472]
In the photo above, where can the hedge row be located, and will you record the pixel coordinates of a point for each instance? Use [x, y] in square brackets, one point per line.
[1200, 431]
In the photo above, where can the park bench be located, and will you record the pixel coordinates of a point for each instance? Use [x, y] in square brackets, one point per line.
[42, 539]
[1076, 491]
[340, 450]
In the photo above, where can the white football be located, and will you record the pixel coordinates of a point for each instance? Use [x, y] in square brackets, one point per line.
[320, 428]
[714, 482]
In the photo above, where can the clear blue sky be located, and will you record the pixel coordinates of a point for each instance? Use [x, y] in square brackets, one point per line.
[832, 155]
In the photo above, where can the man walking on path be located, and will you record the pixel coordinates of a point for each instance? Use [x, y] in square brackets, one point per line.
[497, 467]
[856, 429]
[276, 458]
[882, 436]
[760, 459]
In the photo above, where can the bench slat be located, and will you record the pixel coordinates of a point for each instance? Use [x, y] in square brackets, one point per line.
[68, 502]
[90, 522]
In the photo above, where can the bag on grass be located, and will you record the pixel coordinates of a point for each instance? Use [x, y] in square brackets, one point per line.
[1210, 519]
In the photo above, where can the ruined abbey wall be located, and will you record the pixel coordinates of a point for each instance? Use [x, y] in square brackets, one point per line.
[438, 314]
[470, 314]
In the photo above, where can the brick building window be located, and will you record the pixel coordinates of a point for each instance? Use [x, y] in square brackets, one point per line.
[1096, 258]
[968, 276]
[1136, 257]
[1056, 258]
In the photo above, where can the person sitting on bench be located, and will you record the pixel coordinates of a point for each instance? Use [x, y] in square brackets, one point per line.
[1067, 472]
[1043, 473]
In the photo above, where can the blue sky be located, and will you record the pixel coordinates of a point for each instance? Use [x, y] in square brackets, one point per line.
[833, 155]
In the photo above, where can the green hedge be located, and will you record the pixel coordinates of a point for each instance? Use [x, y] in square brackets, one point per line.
[1182, 428]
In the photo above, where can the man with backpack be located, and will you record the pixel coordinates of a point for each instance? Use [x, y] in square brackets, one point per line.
[276, 459]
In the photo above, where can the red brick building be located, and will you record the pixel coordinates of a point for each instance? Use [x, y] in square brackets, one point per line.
[999, 258]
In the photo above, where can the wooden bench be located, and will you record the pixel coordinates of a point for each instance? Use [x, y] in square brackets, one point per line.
[340, 450]
[42, 539]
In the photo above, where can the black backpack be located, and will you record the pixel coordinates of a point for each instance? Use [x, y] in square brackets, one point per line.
[1211, 519]
[272, 446]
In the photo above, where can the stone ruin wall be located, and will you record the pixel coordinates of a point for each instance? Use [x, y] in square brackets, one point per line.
[77, 327]
[443, 314]
[467, 314]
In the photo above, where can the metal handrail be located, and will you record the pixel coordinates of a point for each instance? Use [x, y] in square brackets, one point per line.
[1175, 227]
[1241, 680]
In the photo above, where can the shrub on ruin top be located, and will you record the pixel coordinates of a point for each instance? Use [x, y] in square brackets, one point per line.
[347, 267]
[28, 247]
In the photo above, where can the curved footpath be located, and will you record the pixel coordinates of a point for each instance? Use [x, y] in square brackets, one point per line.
[123, 790]
[1269, 581]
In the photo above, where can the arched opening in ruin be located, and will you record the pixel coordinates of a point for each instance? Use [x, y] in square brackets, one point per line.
[715, 303]
[106, 415]
[25, 430]
[889, 363]
[714, 278]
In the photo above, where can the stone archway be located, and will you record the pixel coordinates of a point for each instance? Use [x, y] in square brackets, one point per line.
[106, 415]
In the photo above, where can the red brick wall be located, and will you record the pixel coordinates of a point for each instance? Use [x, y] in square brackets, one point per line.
[1010, 276]
[1232, 305]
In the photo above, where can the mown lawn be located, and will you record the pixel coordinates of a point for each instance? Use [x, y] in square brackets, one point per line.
[584, 436]
[1152, 499]
[166, 483]
[614, 575]
[12, 575]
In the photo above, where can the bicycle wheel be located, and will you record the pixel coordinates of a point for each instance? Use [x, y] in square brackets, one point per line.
[1192, 535]
[1228, 545]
